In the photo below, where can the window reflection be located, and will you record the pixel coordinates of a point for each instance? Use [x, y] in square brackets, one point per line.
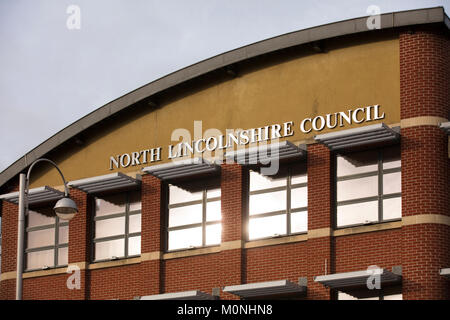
[117, 225]
[368, 187]
[194, 215]
[46, 239]
[278, 205]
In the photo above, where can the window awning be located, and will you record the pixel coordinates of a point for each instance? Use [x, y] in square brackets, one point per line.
[446, 127]
[375, 133]
[262, 289]
[106, 182]
[358, 279]
[35, 196]
[185, 295]
[445, 272]
[182, 169]
[266, 153]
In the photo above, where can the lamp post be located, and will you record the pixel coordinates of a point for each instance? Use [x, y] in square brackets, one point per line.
[65, 209]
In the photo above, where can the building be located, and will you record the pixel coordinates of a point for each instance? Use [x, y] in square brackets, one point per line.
[342, 190]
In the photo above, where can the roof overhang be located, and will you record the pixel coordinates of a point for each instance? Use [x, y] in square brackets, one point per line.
[266, 289]
[185, 295]
[349, 281]
[108, 182]
[183, 169]
[264, 154]
[376, 133]
[35, 195]
[445, 272]
[310, 35]
[446, 127]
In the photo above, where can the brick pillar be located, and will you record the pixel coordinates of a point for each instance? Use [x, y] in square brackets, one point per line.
[424, 92]
[234, 183]
[320, 210]
[9, 250]
[152, 235]
[80, 242]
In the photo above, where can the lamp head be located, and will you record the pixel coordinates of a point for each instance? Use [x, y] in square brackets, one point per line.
[65, 208]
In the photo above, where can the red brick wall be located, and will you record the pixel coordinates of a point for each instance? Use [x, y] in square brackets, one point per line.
[425, 91]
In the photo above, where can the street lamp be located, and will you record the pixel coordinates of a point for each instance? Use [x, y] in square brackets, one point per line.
[65, 209]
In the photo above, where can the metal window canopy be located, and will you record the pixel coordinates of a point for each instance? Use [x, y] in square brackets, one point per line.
[358, 279]
[375, 133]
[446, 127]
[267, 153]
[35, 196]
[262, 289]
[182, 169]
[106, 182]
[185, 295]
[445, 272]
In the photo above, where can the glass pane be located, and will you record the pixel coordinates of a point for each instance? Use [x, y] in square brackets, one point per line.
[357, 213]
[299, 197]
[391, 158]
[185, 215]
[63, 256]
[299, 179]
[135, 200]
[213, 193]
[357, 188]
[134, 223]
[109, 227]
[392, 183]
[213, 211]
[41, 238]
[213, 234]
[178, 195]
[392, 208]
[134, 246]
[267, 202]
[63, 235]
[267, 226]
[260, 182]
[359, 162]
[185, 238]
[109, 249]
[299, 222]
[394, 297]
[110, 204]
[39, 259]
[36, 219]
[345, 296]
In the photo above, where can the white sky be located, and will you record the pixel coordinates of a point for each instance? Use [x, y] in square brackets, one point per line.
[51, 76]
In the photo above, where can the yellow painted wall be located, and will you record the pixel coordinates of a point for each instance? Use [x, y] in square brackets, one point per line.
[347, 76]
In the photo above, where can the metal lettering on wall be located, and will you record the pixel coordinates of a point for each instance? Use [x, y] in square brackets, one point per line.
[241, 138]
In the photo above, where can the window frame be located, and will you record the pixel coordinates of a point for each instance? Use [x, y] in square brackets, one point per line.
[55, 247]
[380, 195]
[203, 201]
[288, 187]
[126, 235]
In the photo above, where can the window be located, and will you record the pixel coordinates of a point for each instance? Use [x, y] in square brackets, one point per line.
[194, 217]
[46, 241]
[278, 204]
[368, 187]
[117, 226]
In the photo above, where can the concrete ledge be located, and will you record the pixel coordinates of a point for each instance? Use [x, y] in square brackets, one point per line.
[149, 256]
[230, 245]
[421, 121]
[8, 275]
[191, 252]
[426, 218]
[275, 241]
[111, 264]
[319, 233]
[369, 228]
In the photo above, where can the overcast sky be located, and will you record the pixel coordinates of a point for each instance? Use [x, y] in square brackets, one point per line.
[50, 76]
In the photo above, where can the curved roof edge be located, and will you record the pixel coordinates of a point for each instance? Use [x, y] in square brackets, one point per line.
[331, 30]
